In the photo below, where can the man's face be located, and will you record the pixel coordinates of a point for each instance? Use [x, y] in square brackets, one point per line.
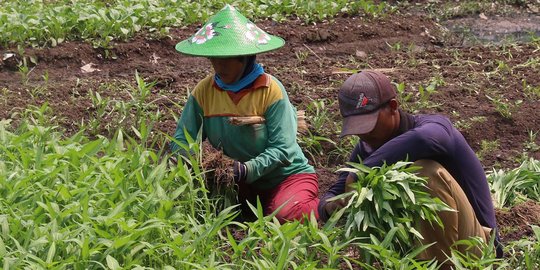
[384, 129]
[228, 69]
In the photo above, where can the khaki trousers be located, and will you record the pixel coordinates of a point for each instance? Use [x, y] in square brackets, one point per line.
[459, 225]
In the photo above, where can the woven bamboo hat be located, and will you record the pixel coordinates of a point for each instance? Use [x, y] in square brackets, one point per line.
[228, 33]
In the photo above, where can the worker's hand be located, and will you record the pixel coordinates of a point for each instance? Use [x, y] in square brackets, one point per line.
[351, 178]
[173, 160]
[239, 171]
[332, 206]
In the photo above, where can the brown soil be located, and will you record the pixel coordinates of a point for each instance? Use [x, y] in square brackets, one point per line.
[515, 223]
[410, 48]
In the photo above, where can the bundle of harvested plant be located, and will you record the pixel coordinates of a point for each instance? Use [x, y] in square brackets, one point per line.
[385, 205]
[219, 174]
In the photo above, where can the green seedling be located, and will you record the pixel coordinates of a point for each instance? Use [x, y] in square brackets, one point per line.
[487, 147]
[394, 47]
[465, 254]
[404, 98]
[530, 145]
[301, 56]
[525, 253]
[468, 123]
[531, 92]
[504, 107]
[314, 146]
[422, 99]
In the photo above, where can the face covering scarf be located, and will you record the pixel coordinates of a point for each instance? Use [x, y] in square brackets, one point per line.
[246, 80]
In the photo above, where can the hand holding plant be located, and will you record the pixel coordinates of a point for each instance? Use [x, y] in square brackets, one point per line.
[351, 179]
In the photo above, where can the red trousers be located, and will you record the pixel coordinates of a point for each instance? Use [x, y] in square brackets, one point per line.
[298, 194]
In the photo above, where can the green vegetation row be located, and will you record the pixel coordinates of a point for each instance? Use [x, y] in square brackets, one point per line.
[116, 203]
[41, 22]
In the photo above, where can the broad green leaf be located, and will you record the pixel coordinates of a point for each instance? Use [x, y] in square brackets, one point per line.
[51, 253]
[408, 191]
[359, 217]
[363, 194]
[121, 241]
[85, 249]
[416, 233]
[120, 140]
[3, 250]
[5, 226]
[112, 263]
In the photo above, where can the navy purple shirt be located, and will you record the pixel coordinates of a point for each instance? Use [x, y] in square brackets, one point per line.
[428, 137]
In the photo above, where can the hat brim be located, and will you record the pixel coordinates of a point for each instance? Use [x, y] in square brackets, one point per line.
[359, 124]
[233, 48]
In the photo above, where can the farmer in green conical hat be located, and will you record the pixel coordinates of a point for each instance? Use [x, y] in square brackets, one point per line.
[246, 113]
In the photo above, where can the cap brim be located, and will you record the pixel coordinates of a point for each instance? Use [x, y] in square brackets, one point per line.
[359, 124]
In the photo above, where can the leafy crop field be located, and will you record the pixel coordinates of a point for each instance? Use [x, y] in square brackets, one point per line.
[91, 92]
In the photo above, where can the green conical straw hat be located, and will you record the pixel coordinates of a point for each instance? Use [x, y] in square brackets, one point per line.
[229, 33]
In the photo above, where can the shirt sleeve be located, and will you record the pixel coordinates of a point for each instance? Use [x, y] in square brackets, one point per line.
[280, 151]
[190, 122]
[339, 186]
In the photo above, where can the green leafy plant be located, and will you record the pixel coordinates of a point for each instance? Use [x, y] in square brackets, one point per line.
[404, 98]
[98, 202]
[343, 147]
[101, 109]
[517, 185]
[487, 147]
[388, 199]
[50, 23]
[420, 100]
[395, 47]
[24, 64]
[469, 260]
[387, 258]
[525, 253]
[4, 91]
[530, 145]
[531, 92]
[301, 56]
[313, 145]
[430, 89]
[504, 107]
[319, 116]
[464, 124]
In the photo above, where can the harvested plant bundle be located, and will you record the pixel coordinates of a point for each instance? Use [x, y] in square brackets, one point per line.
[386, 204]
[219, 174]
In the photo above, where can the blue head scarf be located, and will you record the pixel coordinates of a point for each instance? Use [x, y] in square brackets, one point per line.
[252, 70]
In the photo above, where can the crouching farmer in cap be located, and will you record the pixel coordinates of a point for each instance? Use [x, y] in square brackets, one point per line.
[268, 162]
[368, 104]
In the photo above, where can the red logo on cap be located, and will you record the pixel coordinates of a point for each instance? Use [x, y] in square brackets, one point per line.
[362, 101]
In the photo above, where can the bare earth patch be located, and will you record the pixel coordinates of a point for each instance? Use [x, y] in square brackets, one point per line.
[515, 223]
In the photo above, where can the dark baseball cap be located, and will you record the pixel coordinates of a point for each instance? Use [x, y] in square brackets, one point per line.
[360, 98]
